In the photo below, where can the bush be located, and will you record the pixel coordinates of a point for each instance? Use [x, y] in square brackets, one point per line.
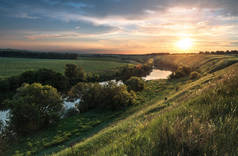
[194, 75]
[34, 106]
[135, 83]
[50, 77]
[44, 76]
[116, 97]
[134, 70]
[94, 95]
[181, 71]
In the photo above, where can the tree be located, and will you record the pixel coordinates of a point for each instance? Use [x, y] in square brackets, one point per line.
[109, 96]
[74, 73]
[117, 97]
[44, 76]
[181, 71]
[30, 54]
[4, 92]
[50, 77]
[90, 95]
[34, 106]
[135, 83]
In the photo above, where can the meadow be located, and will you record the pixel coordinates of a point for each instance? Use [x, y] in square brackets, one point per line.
[15, 66]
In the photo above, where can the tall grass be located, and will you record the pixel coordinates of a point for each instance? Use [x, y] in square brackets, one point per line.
[202, 122]
[206, 125]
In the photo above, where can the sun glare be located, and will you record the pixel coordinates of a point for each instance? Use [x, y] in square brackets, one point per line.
[184, 44]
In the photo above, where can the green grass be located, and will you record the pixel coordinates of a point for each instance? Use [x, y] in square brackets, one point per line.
[202, 63]
[15, 66]
[196, 120]
[66, 132]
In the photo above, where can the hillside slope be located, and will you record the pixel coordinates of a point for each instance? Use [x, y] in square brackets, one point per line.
[200, 117]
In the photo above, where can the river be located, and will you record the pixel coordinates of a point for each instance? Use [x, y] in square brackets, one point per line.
[157, 74]
[4, 116]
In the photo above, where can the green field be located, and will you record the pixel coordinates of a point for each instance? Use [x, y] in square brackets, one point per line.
[199, 117]
[15, 66]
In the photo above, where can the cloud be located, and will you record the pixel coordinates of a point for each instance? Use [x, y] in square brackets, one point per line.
[26, 16]
[132, 9]
[77, 27]
[51, 36]
[66, 35]
[123, 24]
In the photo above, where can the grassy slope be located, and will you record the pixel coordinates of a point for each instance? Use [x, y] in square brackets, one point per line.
[15, 66]
[177, 128]
[204, 63]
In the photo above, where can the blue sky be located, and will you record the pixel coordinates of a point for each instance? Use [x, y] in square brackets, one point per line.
[118, 26]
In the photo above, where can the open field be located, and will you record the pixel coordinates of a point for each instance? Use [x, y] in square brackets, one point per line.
[15, 66]
[182, 124]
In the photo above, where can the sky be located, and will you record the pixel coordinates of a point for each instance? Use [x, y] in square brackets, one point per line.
[119, 26]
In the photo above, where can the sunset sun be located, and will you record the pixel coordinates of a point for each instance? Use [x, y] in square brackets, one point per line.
[184, 44]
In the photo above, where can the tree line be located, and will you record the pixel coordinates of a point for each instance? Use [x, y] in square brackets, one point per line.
[72, 75]
[41, 55]
[35, 97]
[220, 52]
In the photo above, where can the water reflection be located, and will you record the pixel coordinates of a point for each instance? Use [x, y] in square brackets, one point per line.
[4, 116]
[158, 74]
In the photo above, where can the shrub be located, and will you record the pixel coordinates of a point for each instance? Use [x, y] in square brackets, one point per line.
[181, 71]
[44, 76]
[194, 75]
[34, 106]
[94, 95]
[134, 70]
[116, 97]
[50, 77]
[135, 83]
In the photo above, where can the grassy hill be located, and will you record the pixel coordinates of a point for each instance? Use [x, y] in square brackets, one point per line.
[15, 66]
[203, 63]
[174, 117]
